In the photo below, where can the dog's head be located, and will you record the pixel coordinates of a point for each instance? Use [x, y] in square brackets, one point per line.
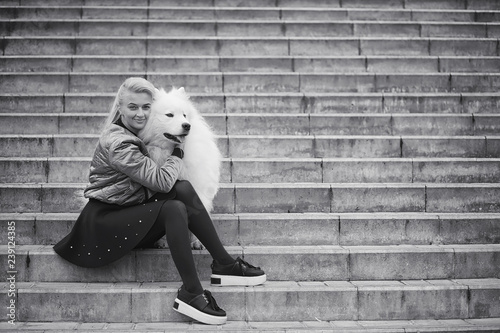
[168, 122]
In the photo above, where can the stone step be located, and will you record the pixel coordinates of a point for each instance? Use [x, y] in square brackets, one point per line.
[411, 4]
[245, 82]
[253, 28]
[282, 170]
[270, 229]
[35, 263]
[292, 301]
[275, 124]
[282, 146]
[255, 46]
[285, 198]
[485, 325]
[310, 102]
[234, 13]
[283, 64]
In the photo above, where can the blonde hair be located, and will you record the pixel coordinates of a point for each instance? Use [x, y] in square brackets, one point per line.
[132, 84]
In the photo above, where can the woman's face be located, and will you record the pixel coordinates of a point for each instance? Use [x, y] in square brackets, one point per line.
[135, 109]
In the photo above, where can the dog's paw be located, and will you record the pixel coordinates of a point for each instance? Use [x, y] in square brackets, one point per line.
[196, 244]
[161, 243]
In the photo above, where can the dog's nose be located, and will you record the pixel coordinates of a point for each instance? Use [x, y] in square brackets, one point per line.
[186, 126]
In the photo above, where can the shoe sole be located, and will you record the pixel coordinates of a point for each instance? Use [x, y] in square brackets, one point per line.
[231, 280]
[197, 315]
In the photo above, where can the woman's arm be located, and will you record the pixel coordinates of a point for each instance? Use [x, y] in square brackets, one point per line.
[127, 158]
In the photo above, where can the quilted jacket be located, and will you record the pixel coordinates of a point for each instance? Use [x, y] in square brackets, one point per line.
[122, 173]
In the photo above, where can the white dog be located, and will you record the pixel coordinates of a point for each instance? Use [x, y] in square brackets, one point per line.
[174, 121]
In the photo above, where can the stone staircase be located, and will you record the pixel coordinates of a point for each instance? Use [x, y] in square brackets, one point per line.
[361, 170]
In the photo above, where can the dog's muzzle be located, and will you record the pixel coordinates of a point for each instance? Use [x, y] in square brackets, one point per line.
[179, 138]
[175, 138]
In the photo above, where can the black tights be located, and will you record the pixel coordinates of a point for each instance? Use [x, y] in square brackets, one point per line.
[177, 217]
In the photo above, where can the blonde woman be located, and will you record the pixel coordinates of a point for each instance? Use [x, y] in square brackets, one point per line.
[133, 202]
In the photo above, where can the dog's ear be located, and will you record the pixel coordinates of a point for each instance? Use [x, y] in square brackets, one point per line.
[183, 92]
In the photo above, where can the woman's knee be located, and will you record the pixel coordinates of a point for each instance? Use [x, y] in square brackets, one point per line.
[184, 187]
[186, 193]
[173, 208]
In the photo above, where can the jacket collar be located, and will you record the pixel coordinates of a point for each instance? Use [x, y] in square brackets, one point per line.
[120, 123]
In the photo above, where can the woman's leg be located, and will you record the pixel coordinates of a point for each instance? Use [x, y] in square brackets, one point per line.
[191, 300]
[200, 223]
[225, 270]
[174, 217]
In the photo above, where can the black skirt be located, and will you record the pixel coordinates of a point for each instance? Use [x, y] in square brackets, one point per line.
[104, 233]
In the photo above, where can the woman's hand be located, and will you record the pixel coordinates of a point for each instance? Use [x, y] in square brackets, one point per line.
[178, 152]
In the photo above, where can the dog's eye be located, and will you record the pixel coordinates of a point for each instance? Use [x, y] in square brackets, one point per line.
[170, 115]
[184, 115]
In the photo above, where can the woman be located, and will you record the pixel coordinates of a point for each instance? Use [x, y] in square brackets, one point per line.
[133, 202]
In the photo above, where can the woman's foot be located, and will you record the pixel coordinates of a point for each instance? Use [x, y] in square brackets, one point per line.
[202, 308]
[240, 273]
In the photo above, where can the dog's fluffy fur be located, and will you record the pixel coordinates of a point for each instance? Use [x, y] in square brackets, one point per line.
[174, 121]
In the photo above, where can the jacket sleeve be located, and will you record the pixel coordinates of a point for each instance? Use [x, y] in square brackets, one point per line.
[127, 158]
